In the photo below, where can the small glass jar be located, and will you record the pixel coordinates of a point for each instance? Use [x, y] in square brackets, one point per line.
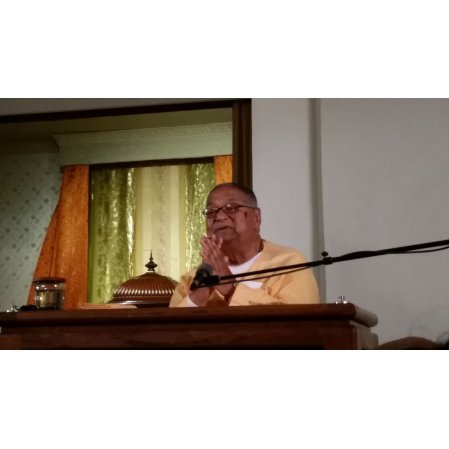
[49, 293]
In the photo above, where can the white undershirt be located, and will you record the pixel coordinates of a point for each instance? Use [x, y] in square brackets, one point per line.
[238, 269]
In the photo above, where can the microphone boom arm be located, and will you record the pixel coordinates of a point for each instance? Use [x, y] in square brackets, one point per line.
[213, 280]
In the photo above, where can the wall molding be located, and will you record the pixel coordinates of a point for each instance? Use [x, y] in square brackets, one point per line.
[177, 142]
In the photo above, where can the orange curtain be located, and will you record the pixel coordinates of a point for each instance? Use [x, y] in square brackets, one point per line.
[64, 252]
[223, 169]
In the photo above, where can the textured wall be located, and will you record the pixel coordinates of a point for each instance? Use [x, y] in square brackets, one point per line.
[29, 189]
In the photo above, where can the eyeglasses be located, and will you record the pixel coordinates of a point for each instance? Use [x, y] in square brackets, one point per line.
[228, 209]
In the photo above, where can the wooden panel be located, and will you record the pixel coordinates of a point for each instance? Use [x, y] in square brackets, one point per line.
[324, 326]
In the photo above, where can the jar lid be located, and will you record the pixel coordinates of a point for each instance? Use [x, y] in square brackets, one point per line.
[48, 280]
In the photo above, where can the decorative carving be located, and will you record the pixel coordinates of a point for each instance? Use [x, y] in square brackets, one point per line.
[131, 135]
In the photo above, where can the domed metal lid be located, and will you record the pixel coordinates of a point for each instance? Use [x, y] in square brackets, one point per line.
[147, 290]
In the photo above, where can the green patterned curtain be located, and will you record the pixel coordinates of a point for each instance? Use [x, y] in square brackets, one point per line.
[200, 180]
[111, 231]
[114, 236]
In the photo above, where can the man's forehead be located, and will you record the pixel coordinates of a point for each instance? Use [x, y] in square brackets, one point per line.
[225, 194]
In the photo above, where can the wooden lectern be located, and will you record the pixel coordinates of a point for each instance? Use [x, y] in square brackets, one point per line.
[318, 326]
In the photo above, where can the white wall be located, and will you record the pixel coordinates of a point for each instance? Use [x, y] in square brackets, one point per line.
[282, 171]
[385, 183]
[384, 167]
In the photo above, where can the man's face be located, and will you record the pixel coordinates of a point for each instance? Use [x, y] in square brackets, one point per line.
[243, 224]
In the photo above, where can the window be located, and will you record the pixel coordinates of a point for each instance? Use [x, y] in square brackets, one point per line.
[33, 135]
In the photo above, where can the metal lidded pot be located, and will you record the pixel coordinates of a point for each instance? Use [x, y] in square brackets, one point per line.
[49, 292]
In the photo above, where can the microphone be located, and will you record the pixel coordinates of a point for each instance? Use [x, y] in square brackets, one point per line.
[203, 272]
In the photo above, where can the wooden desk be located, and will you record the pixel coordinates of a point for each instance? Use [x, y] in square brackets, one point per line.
[322, 326]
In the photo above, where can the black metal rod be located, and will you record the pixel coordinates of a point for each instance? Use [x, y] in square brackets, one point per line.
[326, 260]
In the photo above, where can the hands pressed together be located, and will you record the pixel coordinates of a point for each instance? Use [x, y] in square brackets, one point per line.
[213, 255]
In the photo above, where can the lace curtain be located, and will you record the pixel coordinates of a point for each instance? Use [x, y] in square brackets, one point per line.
[169, 222]
[161, 219]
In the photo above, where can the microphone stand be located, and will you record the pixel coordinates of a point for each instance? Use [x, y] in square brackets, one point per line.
[327, 260]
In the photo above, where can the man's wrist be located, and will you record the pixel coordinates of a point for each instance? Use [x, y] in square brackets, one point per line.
[227, 295]
[200, 297]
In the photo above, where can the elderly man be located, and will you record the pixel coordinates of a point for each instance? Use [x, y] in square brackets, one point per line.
[233, 245]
